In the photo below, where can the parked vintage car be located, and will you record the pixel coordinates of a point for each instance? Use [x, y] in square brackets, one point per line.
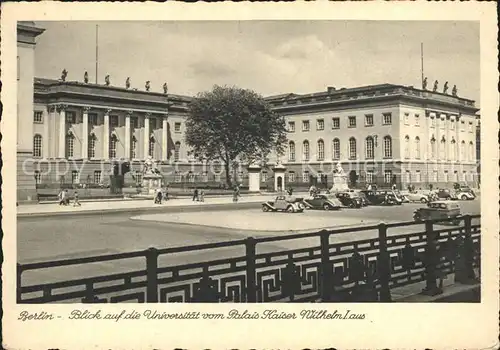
[438, 210]
[417, 197]
[350, 199]
[465, 194]
[323, 201]
[382, 197]
[444, 193]
[289, 204]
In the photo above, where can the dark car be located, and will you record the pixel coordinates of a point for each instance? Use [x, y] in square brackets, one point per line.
[323, 201]
[382, 197]
[444, 193]
[350, 199]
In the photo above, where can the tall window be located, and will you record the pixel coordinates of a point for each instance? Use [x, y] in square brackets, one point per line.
[352, 122]
[433, 148]
[455, 176]
[70, 143]
[91, 149]
[418, 177]
[407, 118]
[97, 176]
[336, 149]
[134, 122]
[462, 151]
[138, 177]
[112, 146]
[38, 117]
[433, 122]
[336, 123]
[191, 177]
[264, 176]
[151, 148]
[291, 176]
[434, 175]
[407, 176]
[133, 148]
[417, 120]
[369, 176]
[387, 119]
[305, 176]
[320, 125]
[38, 177]
[352, 148]
[321, 150]
[37, 145]
[305, 150]
[388, 176]
[442, 149]
[70, 117]
[407, 146]
[113, 121]
[417, 147]
[445, 177]
[75, 177]
[369, 120]
[453, 150]
[452, 125]
[177, 127]
[387, 147]
[291, 126]
[369, 148]
[471, 151]
[178, 177]
[305, 125]
[291, 151]
[177, 151]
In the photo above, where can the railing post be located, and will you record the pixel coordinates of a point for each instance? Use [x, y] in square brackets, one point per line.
[19, 271]
[152, 275]
[384, 264]
[326, 269]
[251, 292]
[464, 272]
[431, 261]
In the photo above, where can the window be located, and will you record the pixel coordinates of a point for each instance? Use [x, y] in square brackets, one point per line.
[417, 120]
[291, 126]
[433, 148]
[407, 118]
[291, 151]
[321, 150]
[70, 117]
[177, 127]
[112, 146]
[387, 147]
[387, 176]
[455, 176]
[97, 176]
[407, 146]
[433, 122]
[407, 176]
[418, 176]
[305, 176]
[134, 122]
[75, 177]
[442, 149]
[442, 123]
[462, 151]
[92, 119]
[177, 177]
[177, 151]
[445, 177]
[336, 123]
[138, 178]
[471, 128]
[336, 149]
[434, 175]
[152, 124]
[151, 148]
[471, 151]
[91, 146]
[417, 147]
[352, 122]
[387, 118]
[305, 150]
[464, 176]
[38, 177]
[352, 148]
[133, 148]
[204, 176]
[453, 150]
[369, 176]
[291, 176]
[37, 145]
[70, 140]
[452, 125]
[113, 121]
[369, 148]
[191, 177]
[305, 125]
[264, 176]
[38, 117]
[320, 124]
[462, 125]
[369, 120]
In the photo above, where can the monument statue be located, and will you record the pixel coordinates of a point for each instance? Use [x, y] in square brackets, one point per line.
[339, 179]
[64, 74]
[86, 77]
[445, 88]
[165, 88]
[424, 84]
[148, 86]
[339, 170]
[106, 79]
[454, 90]
[435, 86]
[152, 178]
[127, 83]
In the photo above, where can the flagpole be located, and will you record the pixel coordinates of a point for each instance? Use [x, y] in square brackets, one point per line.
[96, 51]
[422, 62]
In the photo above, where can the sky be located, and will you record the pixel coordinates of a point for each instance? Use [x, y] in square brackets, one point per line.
[270, 57]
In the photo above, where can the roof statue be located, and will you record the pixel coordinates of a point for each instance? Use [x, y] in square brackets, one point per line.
[86, 77]
[64, 74]
[435, 86]
[454, 90]
[424, 84]
[127, 83]
[148, 85]
[445, 88]
[165, 88]
[106, 79]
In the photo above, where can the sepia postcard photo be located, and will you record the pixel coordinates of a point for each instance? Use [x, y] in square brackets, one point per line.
[181, 175]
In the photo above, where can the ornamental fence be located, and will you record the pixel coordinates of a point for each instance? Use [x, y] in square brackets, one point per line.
[360, 270]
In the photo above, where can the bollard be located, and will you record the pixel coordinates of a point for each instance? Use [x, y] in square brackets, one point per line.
[251, 291]
[431, 261]
[152, 275]
[326, 269]
[384, 264]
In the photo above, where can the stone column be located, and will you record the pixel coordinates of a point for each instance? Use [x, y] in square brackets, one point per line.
[85, 133]
[164, 136]
[46, 134]
[146, 135]
[105, 138]
[62, 132]
[127, 134]
[446, 136]
[254, 178]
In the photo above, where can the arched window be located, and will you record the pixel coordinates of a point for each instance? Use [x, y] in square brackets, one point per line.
[442, 149]
[336, 149]
[462, 151]
[387, 147]
[453, 150]
[407, 146]
[352, 148]
[91, 146]
[70, 145]
[321, 150]
[133, 148]
[37, 145]
[471, 151]
[177, 151]
[305, 150]
[433, 148]
[151, 148]
[417, 147]
[112, 147]
[291, 151]
[369, 148]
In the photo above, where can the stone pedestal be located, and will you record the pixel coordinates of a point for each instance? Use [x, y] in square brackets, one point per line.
[254, 178]
[279, 177]
[339, 183]
[150, 183]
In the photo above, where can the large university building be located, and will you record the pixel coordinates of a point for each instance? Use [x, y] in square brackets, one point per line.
[73, 132]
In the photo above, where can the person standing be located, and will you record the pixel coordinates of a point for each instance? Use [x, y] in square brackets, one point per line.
[76, 200]
[195, 194]
[202, 195]
[61, 197]
[235, 194]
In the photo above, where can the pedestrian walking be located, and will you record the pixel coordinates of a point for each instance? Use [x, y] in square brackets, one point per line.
[195, 194]
[76, 200]
[158, 196]
[202, 196]
[235, 194]
[60, 196]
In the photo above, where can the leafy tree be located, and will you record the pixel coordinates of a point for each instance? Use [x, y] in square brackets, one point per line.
[233, 126]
